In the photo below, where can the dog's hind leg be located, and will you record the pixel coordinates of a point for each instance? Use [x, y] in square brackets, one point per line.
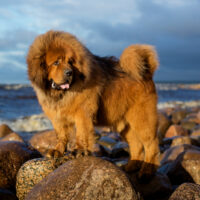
[143, 121]
[136, 150]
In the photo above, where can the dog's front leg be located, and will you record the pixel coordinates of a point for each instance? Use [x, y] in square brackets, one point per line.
[63, 132]
[84, 132]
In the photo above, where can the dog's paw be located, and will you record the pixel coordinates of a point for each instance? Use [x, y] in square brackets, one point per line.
[77, 153]
[53, 154]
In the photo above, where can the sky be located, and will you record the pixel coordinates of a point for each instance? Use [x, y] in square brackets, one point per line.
[106, 27]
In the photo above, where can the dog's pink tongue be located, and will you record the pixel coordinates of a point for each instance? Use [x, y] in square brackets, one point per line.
[65, 86]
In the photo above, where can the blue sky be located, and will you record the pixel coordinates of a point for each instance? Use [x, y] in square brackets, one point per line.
[106, 27]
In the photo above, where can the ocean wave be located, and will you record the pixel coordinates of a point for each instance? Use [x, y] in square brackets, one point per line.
[40, 122]
[159, 86]
[32, 123]
[14, 86]
[177, 86]
[180, 104]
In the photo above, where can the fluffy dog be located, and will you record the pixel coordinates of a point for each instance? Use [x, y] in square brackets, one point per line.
[78, 90]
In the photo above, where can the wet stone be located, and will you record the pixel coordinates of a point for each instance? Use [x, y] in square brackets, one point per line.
[44, 141]
[32, 172]
[12, 137]
[176, 130]
[181, 140]
[163, 125]
[188, 125]
[196, 132]
[186, 191]
[12, 155]
[172, 153]
[5, 130]
[186, 168]
[94, 179]
[107, 142]
[178, 115]
[120, 149]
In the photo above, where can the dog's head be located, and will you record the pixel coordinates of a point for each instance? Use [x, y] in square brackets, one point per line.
[60, 66]
[57, 61]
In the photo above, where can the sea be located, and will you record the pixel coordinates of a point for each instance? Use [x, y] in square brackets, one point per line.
[20, 109]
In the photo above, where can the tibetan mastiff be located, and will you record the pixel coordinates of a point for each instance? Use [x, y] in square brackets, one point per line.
[78, 90]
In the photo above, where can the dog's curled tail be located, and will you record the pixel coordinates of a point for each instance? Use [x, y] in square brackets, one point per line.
[139, 61]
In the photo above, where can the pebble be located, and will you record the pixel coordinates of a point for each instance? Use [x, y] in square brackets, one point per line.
[163, 124]
[176, 130]
[178, 115]
[107, 142]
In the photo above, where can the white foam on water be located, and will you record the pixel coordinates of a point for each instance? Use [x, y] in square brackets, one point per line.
[14, 86]
[177, 86]
[181, 104]
[29, 124]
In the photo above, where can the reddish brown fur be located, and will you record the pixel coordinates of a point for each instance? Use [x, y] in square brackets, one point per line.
[104, 91]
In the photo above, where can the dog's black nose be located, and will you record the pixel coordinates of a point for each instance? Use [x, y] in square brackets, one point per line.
[68, 72]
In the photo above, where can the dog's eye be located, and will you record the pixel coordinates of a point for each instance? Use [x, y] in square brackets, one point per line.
[56, 63]
[71, 61]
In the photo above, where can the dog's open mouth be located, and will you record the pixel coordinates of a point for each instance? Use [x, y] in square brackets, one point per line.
[63, 86]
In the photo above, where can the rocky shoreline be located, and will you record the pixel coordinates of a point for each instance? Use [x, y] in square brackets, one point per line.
[25, 173]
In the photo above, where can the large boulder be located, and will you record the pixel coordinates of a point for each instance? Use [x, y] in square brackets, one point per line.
[33, 171]
[186, 191]
[12, 155]
[84, 178]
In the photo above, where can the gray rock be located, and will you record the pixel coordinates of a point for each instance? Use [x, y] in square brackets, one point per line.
[107, 142]
[86, 178]
[186, 168]
[186, 191]
[12, 155]
[172, 153]
[33, 171]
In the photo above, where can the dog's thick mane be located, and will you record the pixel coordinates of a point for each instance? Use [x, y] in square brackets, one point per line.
[37, 70]
[109, 66]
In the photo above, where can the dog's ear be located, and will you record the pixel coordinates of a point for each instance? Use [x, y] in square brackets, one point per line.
[37, 71]
[83, 61]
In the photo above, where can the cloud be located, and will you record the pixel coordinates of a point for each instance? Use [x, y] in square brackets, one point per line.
[107, 27]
